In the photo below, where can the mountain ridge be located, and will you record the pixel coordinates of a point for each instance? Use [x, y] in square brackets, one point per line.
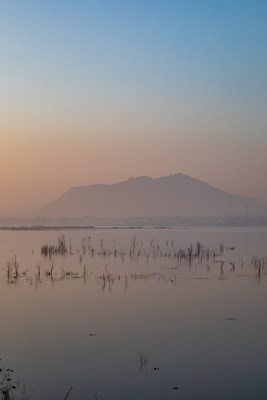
[143, 196]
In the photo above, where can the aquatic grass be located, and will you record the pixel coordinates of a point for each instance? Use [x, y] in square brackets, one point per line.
[12, 270]
[70, 246]
[143, 360]
[67, 395]
[260, 264]
[61, 248]
[138, 252]
[7, 385]
[9, 389]
[84, 244]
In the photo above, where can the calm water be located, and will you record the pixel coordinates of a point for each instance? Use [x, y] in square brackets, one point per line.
[202, 323]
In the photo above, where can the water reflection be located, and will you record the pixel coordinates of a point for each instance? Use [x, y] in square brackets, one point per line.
[189, 303]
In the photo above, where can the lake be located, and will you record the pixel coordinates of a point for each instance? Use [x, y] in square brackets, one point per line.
[134, 313]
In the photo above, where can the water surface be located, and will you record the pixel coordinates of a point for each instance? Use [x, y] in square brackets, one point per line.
[200, 324]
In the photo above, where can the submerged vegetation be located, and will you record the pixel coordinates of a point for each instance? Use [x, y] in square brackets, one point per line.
[137, 250]
[61, 248]
[12, 269]
[169, 256]
[143, 360]
[7, 387]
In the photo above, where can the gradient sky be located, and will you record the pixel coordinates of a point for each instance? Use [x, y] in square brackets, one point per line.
[96, 91]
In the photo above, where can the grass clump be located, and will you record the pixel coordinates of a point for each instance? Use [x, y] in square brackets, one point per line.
[61, 248]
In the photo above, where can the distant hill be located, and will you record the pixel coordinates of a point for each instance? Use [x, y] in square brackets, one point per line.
[175, 195]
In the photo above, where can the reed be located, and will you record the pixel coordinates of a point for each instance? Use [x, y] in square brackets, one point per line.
[49, 250]
[143, 359]
[12, 270]
[70, 389]
[84, 244]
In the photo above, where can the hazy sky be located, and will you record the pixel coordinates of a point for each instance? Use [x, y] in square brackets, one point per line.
[96, 91]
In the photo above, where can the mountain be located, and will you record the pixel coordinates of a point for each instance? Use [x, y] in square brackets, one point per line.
[175, 195]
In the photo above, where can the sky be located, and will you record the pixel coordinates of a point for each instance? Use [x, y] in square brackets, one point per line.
[97, 91]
